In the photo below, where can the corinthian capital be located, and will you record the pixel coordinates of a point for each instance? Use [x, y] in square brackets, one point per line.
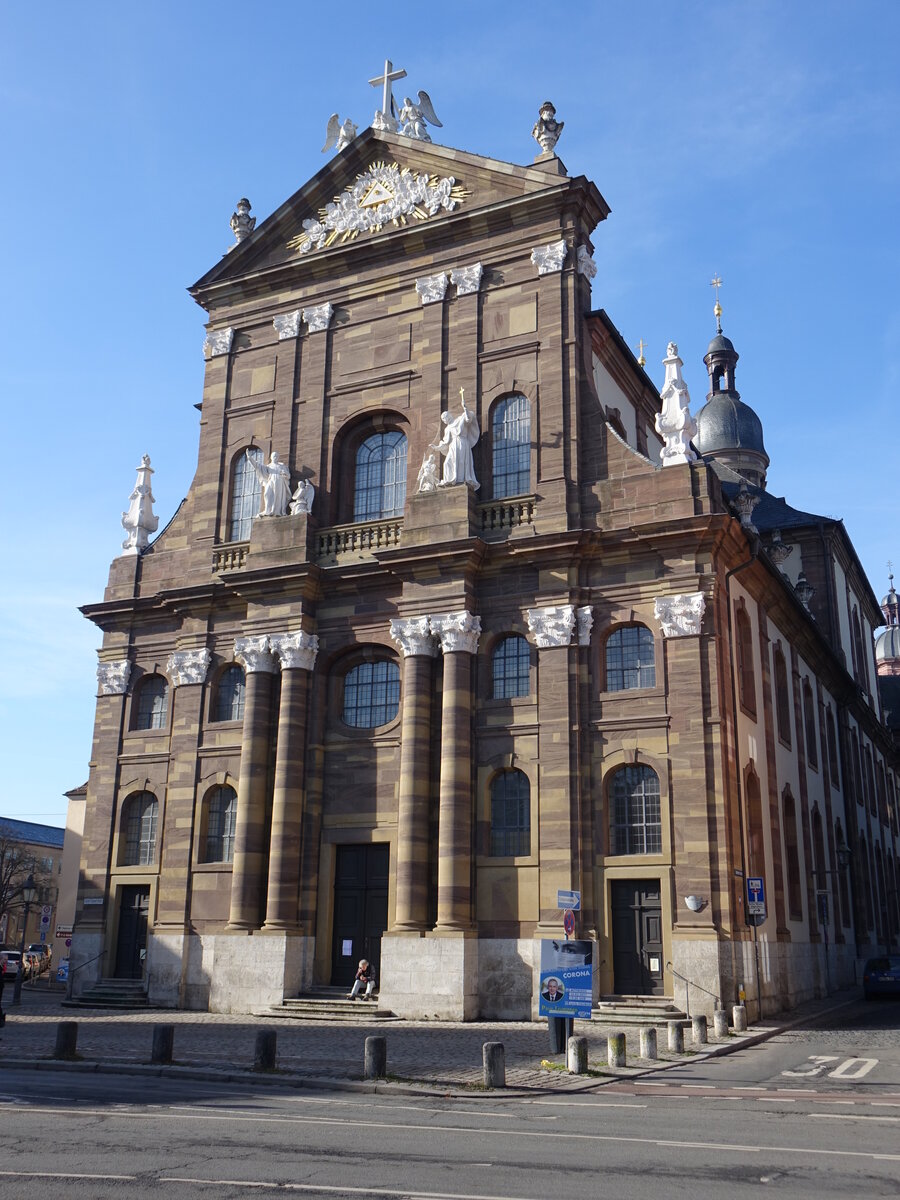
[253, 654]
[551, 626]
[112, 678]
[413, 636]
[187, 666]
[456, 631]
[295, 649]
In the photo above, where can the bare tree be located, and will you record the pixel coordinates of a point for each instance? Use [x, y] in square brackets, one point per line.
[17, 861]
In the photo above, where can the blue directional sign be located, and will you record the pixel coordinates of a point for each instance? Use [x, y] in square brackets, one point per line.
[569, 900]
[756, 896]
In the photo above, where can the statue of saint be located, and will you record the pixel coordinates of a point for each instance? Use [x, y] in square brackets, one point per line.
[302, 501]
[460, 435]
[427, 480]
[275, 481]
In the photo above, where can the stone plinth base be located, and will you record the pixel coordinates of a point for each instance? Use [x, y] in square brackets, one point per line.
[83, 954]
[431, 977]
[277, 540]
[449, 514]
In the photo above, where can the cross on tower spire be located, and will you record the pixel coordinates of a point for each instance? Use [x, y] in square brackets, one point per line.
[642, 362]
[716, 282]
[385, 81]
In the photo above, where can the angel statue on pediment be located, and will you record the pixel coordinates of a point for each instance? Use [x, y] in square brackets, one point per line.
[414, 116]
[338, 133]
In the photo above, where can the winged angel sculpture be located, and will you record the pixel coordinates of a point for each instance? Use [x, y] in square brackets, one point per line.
[339, 133]
[413, 118]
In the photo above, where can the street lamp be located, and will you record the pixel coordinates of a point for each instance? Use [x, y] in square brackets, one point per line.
[29, 895]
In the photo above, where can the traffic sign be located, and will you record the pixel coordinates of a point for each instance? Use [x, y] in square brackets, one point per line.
[569, 922]
[756, 896]
[43, 935]
[569, 900]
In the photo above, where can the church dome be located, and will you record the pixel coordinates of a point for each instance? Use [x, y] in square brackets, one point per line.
[887, 644]
[719, 343]
[726, 423]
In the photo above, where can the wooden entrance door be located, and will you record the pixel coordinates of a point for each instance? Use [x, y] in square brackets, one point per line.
[638, 967]
[360, 909]
[131, 945]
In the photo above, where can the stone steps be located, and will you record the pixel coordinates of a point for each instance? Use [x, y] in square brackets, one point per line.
[638, 1010]
[328, 1004]
[112, 993]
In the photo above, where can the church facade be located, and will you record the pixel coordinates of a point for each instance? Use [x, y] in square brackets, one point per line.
[390, 680]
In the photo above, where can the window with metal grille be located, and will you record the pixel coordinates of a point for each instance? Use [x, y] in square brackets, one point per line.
[230, 695]
[630, 659]
[220, 825]
[246, 492]
[152, 703]
[637, 824]
[371, 694]
[511, 668]
[511, 444]
[140, 829]
[510, 814]
[380, 483]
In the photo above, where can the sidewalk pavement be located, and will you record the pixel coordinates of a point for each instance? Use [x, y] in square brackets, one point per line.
[424, 1055]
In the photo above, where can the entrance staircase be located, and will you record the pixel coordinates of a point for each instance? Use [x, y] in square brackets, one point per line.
[638, 1010]
[328, 1004]
[112, 993]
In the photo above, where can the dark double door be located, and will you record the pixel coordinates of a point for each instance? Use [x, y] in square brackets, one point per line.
[638, 966]
[131, 944]
[360, 909]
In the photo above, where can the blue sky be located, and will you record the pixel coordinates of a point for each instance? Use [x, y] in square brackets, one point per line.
[756, 140]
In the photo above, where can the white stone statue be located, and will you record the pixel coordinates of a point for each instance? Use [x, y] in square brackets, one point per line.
[428, 478]
[139, 522]
[460, 435]
[675, 423]
[303, 497]
[339, 133]
[413, 117]
[547, 129]
[242, 224]
[275, 481]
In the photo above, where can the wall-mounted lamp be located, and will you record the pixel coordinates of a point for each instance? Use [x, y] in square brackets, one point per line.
[695, 903]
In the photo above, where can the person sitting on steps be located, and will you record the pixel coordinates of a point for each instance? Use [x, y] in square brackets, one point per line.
[364, 975]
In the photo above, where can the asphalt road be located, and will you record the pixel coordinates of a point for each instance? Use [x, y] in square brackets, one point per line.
[724, 1128]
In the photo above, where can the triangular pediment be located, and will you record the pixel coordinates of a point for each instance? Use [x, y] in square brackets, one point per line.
[380, 186]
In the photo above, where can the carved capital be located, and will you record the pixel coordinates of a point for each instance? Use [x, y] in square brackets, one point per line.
[413, 636]
[112, 678]
[467, 279]
[585, 619]
[287, 325]
[456, 631]
[187, 666]
[551, 626]
[253, 654]
[295, 649]
[432, 287]
[318, 318]
[680, 616]
[218, 341]
[585, 262]
[550, 258]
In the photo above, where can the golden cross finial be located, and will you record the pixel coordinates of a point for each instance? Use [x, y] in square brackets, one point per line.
[642, 362]
[716, 282]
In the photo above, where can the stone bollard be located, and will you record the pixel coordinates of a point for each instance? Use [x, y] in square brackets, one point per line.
[376, 1058]
[163, 1044]
[493, 1057]
[720, 1020]
[676, 1037]
[265, 1050]
[66, 1039]
[648, 1043]
[699, 1030]
[739, 1013]
[615, 1049]
[577, 1056]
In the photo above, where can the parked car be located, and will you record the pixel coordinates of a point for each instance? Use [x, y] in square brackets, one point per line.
[881, 976]
[13, 965]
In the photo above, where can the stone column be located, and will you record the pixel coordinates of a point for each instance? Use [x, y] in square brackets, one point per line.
[415, 640]
[297, 654]
[458, 634]
[249, 840]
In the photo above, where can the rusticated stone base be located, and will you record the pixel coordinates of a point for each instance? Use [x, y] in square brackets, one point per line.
[85, 968]
[430, 978]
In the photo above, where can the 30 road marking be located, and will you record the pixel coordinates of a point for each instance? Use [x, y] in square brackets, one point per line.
[850, 1068]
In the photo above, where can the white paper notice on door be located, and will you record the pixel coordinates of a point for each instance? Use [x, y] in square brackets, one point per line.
[654, 964]
[347, 948]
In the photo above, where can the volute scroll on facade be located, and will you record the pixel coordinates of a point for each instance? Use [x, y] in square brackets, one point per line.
[295, 650]
[112, 677]
[413, 635]
[217, 342]
[551, 626]
[254, 654]
[680, 616]
[188, 666]
[456, 631]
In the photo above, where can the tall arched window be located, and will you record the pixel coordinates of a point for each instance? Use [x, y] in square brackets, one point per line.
[510, 814]
[866, 882]
[755, 838]
[245, 495]
[630, 659]
[511, 444]
[371, 694]
[511, 668]
[139, 814]
[782, 697]
[746, 676]
[870, 780]
[151, 703]
[221, 819]
[809, 721]
[229, 704]
[792, 857]
[843, 886]
[831, 738]
[380, 484]
[636, 820]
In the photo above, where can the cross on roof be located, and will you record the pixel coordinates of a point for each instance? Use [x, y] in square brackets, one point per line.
[640, 349]
[387, 99]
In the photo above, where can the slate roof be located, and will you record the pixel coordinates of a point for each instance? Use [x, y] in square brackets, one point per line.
[29, 831]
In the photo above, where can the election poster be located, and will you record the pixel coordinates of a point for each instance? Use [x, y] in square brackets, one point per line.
[567, 975]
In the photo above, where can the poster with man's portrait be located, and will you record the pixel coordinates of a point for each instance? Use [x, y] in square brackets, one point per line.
[567, 978]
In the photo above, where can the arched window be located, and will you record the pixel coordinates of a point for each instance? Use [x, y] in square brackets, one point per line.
[843, 886]
[380, 483]
[809, 721]
[792, 858]
[152, 703]
[139, 816]
[245, 495]
[629, 659]
[782, 698]
[221, 819]
[511, 668]
[371, 694]
[870, 779]
[746, 677]
[510, 814]
[511, 444]
[831, 738]
[866, 882]
[229, 704]
[636, 821]
[755, 839]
